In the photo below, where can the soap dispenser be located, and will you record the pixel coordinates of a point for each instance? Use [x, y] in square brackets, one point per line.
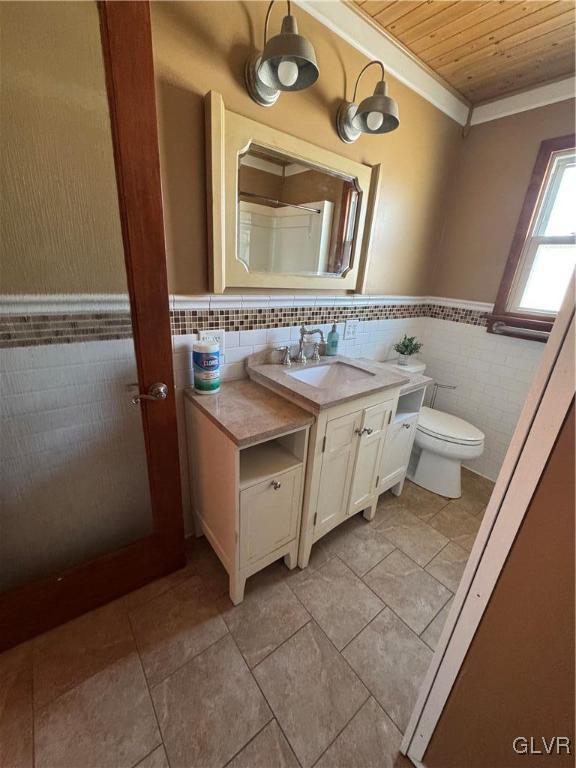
[332, 341]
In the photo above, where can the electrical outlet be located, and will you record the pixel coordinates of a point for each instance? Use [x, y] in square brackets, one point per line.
[350, 329]
[214, 335]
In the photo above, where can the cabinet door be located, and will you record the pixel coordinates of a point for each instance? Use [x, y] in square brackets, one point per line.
[396, 454]
[337, 467]
[374, 426]
[269, 513]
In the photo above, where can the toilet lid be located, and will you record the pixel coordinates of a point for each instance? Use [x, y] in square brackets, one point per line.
[448, 427]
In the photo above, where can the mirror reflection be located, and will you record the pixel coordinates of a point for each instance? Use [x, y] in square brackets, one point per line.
[293, 217]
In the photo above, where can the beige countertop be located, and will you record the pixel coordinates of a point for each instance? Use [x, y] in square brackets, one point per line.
[277, 377]
[415, 380]
[249, 413]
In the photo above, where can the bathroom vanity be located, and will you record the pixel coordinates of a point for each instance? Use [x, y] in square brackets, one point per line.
[247, 450]
[278, 461]
[360, 443]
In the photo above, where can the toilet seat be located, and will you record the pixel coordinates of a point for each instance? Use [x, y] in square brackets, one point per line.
[452, 429]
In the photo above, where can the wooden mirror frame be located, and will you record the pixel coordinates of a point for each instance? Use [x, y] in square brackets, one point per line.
[227, 136]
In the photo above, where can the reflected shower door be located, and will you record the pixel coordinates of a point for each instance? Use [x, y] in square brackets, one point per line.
[90, 489]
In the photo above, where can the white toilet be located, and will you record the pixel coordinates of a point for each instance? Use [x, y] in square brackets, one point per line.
[442, 442]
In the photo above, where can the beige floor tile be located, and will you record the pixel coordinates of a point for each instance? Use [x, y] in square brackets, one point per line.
[107, 720]
[360, 545]
[267, 750]
[475, 486]
[432, 633]
[466, 541]
[405, 587]
[338, 600]
[422, 503]
[16, 708]
[176, 626]
[312, 691]
[469, 504]
[448, 566]
[156, 759]
[75, 651]
[454, 521]
[209, 708]
[269, 614]
[207, 568]
[370, 740]
[319, 555]
[155, 588]
[391, 660]
[415, 538]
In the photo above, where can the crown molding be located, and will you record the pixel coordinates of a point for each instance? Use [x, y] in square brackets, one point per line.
[359, 33]
[541, 96]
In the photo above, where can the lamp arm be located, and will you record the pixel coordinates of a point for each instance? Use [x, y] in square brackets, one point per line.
[268, 17]
[362, 72]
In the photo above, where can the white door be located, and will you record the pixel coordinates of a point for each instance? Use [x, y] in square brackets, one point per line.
[373, 429]
[340, 445]
[269, 515]
[396, 453]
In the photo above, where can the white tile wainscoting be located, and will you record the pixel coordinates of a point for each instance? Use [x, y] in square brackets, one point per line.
[61, 399]
[73, 463]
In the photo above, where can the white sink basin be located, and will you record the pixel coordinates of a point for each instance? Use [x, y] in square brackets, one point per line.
[323, 376]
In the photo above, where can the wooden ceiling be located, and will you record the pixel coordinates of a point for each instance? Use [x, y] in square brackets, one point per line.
[483, 50]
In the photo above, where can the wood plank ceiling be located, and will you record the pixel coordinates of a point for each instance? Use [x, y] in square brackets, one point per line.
[483, 50]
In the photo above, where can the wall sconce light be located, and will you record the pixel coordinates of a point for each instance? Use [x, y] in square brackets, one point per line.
[375, 114]
[287, 63]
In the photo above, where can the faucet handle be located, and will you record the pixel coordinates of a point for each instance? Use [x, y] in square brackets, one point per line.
[316, 352]
[286, 356]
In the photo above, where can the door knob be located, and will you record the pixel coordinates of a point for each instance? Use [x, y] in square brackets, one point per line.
[156, 391]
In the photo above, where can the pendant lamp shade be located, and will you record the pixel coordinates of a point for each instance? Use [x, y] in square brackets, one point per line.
[287, 63]
[375, 114]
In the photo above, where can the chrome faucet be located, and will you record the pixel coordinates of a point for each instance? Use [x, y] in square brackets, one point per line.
[301, 357]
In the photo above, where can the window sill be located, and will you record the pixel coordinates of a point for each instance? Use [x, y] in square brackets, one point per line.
[519, 327]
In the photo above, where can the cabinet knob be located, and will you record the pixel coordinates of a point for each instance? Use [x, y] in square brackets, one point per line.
[365, 431]
[406, 425]
[276, 484]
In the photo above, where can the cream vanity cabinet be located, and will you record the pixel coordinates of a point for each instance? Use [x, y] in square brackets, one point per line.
[399, 442]
[346, 454]
[247, 451]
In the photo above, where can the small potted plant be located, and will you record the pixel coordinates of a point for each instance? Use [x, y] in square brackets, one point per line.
[406, 348]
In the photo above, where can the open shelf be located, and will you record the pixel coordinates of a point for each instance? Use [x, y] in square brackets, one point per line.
[409, 405]
[404, 415]
[259, 462]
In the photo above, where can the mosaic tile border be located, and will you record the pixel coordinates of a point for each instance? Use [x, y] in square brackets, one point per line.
[36, 330]
[40, 329]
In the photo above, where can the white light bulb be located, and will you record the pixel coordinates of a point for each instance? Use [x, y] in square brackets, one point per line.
[374, 120]
[287, 73]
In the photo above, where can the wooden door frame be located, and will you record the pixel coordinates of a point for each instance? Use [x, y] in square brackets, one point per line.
[548, 401]
[33, 608]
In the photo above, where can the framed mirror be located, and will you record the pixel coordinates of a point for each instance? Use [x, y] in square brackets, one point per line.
[285, 214]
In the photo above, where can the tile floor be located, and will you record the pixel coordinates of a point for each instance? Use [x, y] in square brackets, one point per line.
[319, 667]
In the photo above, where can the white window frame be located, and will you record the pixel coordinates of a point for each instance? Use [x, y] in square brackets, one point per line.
[559, 161]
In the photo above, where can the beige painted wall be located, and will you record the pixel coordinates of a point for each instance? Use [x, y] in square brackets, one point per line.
[202, 46]
[491, 174]
[59, 221]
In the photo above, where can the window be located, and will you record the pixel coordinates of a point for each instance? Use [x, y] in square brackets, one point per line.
[543, 252]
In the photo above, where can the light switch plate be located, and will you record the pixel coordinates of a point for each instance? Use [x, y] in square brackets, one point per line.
[214, 335]
[350, 329]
